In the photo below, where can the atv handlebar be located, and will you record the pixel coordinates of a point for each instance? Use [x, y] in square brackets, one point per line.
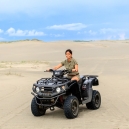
[65, 71]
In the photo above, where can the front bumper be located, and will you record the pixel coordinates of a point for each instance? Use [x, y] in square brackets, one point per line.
[47, 101]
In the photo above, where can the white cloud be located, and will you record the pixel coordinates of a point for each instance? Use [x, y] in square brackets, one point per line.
[35, 33]
[92, 32]
[112, 37]
[122, 36]
[88, 32]
[114, 33]
[73, 26]
[13, 32]
[108, 30]
[1, 31]
[57, 35]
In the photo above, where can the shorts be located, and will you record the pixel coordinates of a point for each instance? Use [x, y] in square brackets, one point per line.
[71, 76]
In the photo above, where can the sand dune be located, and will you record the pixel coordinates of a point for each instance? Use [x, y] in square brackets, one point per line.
[23, 62]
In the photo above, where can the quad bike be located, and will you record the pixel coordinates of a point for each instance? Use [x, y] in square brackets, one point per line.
[62, 92]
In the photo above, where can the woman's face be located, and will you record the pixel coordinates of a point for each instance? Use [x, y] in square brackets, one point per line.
[68, 55]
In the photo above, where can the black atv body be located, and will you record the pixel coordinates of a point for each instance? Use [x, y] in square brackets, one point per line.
[59, 91]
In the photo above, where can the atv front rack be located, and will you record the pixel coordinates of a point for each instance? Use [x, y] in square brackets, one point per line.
[46, 105]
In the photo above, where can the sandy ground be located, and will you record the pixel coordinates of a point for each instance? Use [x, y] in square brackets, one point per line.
[22, 63]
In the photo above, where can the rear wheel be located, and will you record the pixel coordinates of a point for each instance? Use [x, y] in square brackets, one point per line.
[71, 107]
[95, 102]
[36, 109]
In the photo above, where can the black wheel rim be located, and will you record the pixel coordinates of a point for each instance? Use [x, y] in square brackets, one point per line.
[75, 107]
[97, 100]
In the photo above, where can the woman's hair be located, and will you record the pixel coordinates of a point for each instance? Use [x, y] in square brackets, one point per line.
[68, 50]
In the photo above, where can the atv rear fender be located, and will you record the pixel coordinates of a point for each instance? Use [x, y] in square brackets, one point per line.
[91, 81]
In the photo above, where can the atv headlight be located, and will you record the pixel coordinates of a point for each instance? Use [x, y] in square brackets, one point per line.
[37, 89]
[58, 90]
[34, 87]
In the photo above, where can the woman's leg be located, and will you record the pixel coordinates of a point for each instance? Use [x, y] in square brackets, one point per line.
[77, 78]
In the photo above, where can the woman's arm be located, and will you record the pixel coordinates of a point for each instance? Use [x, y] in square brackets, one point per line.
[75, 69]
[57, 67]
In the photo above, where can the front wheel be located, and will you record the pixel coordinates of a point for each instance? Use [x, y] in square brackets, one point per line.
[71, 107]
[36, 109]
[95, 102]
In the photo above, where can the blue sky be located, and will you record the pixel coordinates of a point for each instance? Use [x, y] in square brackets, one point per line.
[51, 20]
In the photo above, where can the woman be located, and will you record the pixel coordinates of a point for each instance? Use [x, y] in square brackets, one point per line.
[71, 64]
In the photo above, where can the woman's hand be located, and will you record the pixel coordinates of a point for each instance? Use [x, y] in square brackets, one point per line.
[73, 70]
[48, 70]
